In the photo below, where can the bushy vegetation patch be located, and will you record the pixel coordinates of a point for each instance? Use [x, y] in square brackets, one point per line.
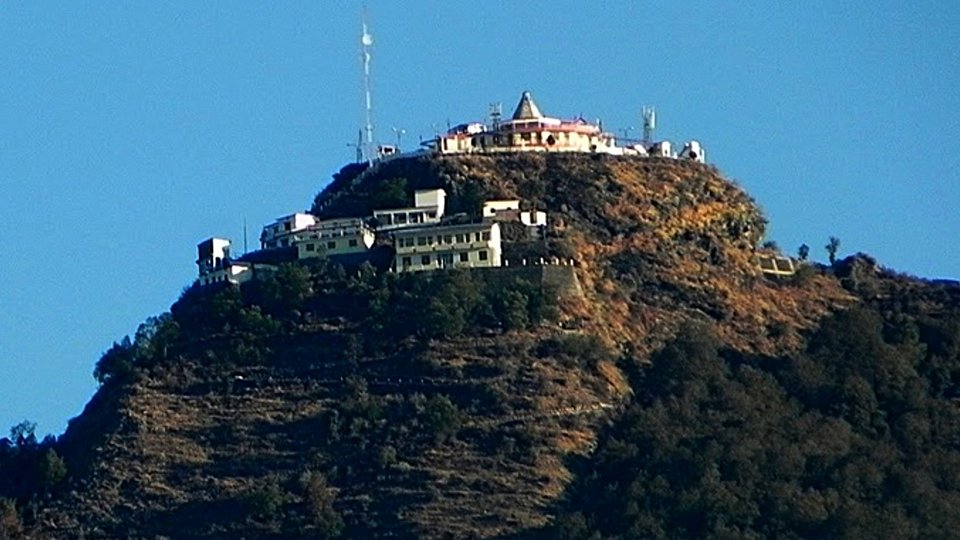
[856, 437]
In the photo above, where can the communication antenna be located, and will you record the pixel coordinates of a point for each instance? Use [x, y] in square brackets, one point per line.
[399, 132]
[358, 146]
[366, 45]
[244, 235]
[649, 124]
[496, 112]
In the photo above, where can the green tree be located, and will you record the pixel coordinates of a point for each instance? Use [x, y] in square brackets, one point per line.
[803, 252]
[470, 199]
[52, 469]
[154, 339]
[391, 193]
[832, 246]
[117, 364]
[513, 310]
[441, 418]
[23, 435]
[283, 293]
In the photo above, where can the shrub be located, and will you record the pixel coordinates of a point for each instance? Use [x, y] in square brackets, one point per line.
[441, 418]
[320, 498]
[804, 274]
[265, 500]
[575, 350]
[10, 525]
[387, 456]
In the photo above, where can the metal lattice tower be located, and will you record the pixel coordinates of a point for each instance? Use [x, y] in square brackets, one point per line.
[366, 49]
[649, 123]
[496, 112]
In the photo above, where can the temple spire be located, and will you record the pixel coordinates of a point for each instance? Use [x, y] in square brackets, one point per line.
[527, 109]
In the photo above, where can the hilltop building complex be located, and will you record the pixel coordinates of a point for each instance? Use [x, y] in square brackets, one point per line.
[529, 130]
[421, 237]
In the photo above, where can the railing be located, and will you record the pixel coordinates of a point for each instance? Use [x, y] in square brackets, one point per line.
[542, 261]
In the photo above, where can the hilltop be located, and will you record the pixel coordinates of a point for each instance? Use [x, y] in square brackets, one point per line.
[474, 403]
[656, 240]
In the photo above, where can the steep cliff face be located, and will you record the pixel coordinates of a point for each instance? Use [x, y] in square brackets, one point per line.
[414, 433]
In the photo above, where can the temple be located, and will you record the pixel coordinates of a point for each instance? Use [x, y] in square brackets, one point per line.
[527, 130]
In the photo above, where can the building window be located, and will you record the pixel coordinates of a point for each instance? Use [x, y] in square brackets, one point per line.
[483, 255]
[421, 240]
[485, 236]
[460, 239]
[332, 244]
[285, 242]
[445, 260]
[352, 242]
[476, 237]
[464, 257]
[430, 240]
[416, 217]
[286, 226]
[425, 260]
[406, 262]
[431, 214]
[311, 247]
[448, 239]
[400, 218]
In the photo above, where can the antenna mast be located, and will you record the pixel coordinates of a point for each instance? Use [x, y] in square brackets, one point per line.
[649, 124]
[366, 44]
[496, 112]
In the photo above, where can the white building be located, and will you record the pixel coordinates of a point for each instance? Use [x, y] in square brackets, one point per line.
[533, 218]
[509, 210]
[528, 130]
[492, 208]
[283, 231]
[661, 149]
[694, 151]
[428, 208]
[215, 266]
[334, 237]
[212, 253]
[472, 245]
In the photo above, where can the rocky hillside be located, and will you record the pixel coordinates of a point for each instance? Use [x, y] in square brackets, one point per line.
[320, 403]
[656, 240]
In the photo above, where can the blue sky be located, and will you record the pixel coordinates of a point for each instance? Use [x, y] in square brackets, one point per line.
[129, 131]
